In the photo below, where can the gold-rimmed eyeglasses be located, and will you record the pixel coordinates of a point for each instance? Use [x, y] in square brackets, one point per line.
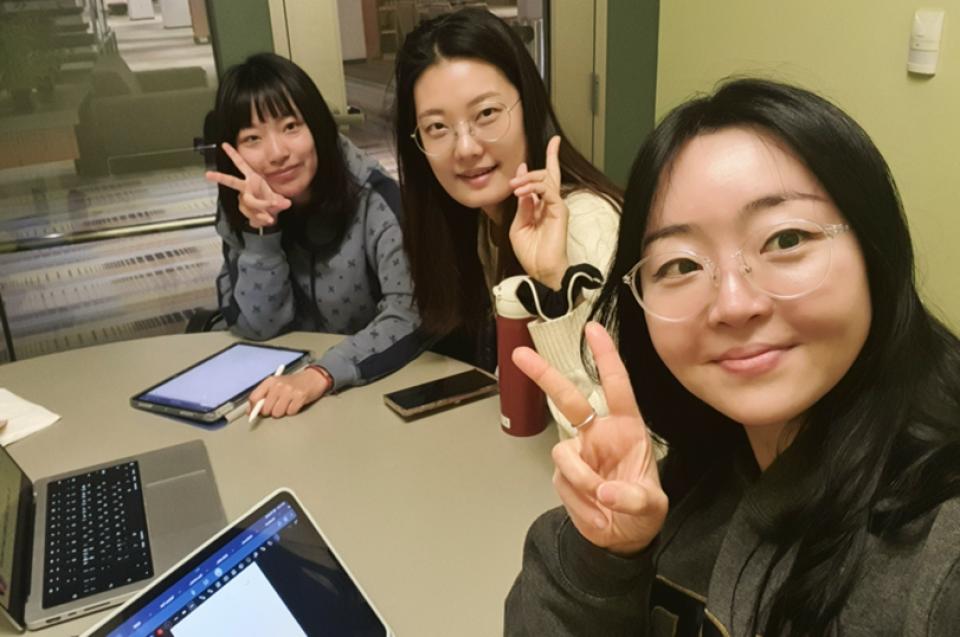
[488, 122]
[785, 260]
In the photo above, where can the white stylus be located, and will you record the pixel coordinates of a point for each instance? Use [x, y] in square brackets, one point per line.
[259, 405]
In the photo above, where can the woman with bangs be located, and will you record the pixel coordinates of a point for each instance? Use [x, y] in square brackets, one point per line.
[311, 234]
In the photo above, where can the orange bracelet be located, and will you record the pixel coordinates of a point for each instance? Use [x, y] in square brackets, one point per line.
[323, 372]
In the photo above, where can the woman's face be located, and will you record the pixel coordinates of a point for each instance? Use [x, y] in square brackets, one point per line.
[449, 98]
[281, 151]
[758, 359]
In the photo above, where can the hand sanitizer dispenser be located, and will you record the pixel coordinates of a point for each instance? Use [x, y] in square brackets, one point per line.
[925, 41]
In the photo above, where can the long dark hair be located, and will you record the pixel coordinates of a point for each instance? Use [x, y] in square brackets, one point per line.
[276, 87]
[439, 233]
[882, 445]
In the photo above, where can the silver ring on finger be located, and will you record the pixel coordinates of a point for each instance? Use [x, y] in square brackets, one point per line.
[586, 421]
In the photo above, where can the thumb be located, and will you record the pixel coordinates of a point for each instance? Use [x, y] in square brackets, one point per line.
[623, 497]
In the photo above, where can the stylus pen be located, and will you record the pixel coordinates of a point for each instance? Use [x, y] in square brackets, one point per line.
[259, 405]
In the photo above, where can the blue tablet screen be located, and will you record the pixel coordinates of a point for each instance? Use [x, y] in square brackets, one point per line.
[221, 378]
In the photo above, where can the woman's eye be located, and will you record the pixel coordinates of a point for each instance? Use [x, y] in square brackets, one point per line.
[786, 240]
[487, 114]
[291, 126]
[676, 268]
[247, 139]
[435, 129]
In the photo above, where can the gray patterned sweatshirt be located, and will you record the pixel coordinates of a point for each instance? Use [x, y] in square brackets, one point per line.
[362, 288]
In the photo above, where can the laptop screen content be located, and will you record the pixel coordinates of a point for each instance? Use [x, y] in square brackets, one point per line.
[271, 574]
[16, 525]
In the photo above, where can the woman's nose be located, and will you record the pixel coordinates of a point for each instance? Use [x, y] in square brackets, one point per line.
[737, 300]
[277, 151]
[466, 144]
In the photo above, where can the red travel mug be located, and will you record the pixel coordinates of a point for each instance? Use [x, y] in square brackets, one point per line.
[523, 406]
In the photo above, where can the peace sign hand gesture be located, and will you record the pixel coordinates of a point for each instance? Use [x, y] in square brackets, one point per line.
[607, 475]
[539, 230]
[257, 201]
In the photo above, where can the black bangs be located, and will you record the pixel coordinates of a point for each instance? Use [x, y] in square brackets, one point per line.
[266, 95]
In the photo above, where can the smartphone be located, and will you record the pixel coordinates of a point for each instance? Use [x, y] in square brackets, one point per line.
[427, 398]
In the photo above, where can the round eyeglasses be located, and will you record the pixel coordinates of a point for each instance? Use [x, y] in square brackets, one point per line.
[785, 261]
[488, 122]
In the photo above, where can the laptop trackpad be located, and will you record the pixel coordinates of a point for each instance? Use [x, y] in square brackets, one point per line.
[182, 513]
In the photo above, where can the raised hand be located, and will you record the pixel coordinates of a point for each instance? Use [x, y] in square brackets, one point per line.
[539, 230]
[607, 475]
[257, 201]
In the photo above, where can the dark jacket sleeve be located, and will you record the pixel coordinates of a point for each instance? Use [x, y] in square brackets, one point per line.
[253, 288]
[568, 586]
[392, 338]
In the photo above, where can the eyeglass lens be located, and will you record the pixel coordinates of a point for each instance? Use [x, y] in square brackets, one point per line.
[785, 260]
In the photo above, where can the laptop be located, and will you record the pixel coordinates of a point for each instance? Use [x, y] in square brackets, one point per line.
[81, 541]
[272, 572]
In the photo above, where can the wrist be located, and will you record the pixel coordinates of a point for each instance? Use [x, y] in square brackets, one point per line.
[326, 377]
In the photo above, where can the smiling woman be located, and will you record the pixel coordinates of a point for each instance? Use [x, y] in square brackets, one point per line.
[493, 189]
[769, 330]
[308, 244]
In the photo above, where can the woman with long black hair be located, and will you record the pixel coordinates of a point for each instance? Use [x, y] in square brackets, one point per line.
[492, 188]
[763, 303]
[311, 234]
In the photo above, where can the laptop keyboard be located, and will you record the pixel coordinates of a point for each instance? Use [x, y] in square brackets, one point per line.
[96, 534]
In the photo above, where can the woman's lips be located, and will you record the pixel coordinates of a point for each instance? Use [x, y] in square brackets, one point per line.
[287, 174]
[477, 178]
[752, 363]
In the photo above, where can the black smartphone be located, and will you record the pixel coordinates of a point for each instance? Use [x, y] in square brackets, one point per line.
[421, 400]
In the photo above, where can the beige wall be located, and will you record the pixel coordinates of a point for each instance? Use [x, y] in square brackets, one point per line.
[314, 44]
[854, 52]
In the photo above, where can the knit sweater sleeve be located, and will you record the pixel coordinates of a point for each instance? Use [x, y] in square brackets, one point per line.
[391, 339]
[253, 287]
[568, 586]
[591, 238]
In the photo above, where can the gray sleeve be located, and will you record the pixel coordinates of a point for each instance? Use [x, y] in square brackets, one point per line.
[253, 288]
[391, 339]
[568, 586]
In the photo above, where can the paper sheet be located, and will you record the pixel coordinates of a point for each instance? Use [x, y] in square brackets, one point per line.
[23, 417]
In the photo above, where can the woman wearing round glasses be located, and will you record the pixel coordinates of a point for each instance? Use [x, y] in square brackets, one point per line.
[490, 187]
[763, 303]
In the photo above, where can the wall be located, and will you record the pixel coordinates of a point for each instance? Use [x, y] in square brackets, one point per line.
[238, 28]
[853, 52]
[307, 32]
[631, 82]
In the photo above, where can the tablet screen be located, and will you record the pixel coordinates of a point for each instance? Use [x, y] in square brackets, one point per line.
[271, 573]
[221, 378]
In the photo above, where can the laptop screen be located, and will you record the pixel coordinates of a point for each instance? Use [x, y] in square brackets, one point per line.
[16, 525]
[271, 573]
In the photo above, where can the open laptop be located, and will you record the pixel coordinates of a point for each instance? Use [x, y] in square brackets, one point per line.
[272, 572]
[78, 542]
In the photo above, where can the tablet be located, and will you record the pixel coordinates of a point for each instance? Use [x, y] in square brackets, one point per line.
[220, 383]
[272, 572]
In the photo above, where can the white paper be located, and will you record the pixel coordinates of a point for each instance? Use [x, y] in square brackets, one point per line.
[23, 417]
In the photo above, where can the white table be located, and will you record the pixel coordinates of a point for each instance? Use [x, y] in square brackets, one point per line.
[430, 515]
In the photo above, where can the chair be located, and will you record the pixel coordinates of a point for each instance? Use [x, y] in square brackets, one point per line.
[132, 121]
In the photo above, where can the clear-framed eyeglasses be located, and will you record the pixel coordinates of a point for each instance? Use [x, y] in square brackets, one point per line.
[488, 122]
[786, 260]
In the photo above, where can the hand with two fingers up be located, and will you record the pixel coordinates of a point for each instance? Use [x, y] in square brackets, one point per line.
[257, 201]
[606, 476]
[538, 233]
[286, 395]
